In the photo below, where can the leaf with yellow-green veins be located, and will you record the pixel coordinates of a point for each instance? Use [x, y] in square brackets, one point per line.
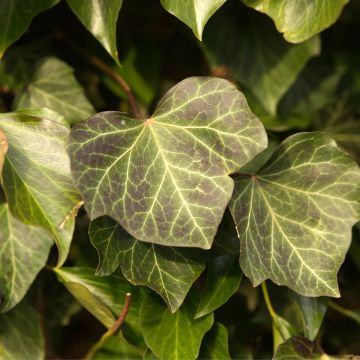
[166, 179]
[23, 252]
[36, 174]
[100, 18]
[16, 16]
[173, 336]
[54, 86]
[194, 13]
[294, 217]
[300, 20]
[4, 145]
[167, 270]
[20, 334]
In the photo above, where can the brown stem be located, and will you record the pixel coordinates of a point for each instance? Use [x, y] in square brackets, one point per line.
[114, 328]
[106, 69]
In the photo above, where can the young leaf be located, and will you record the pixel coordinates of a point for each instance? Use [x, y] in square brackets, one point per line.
[20, 334]
[36, 174]
[215, 344]
[295, 348]
[167, 270]
[295, 216]
[194, 13]
[173, 336]
[99, 17]
[54, 86]
[101, 296]
[222, 281]
[4, 146]
[15, 19]
[299, 20]
[23, 252]
[165, 179]
[255, 54]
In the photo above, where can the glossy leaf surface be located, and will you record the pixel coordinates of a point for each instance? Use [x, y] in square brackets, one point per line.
[165, 179]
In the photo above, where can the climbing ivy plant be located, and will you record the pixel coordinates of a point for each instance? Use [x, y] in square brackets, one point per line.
[165, 196]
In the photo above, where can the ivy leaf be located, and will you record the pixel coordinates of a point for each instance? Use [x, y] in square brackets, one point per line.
[173, 336]
[165, 179]
[215, 344]
[54, 86]
[193, 13]
[299, 20]
[15, 19]
[23, 252]
[4, 146]
[295, 216]
[20, 334]
[36, 175]
[102, 296]
[295, 348]
[255, 54]
[99, 17]
[167, 270]
[222, 281]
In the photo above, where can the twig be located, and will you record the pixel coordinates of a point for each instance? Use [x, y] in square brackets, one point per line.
[106, 69]
[116, 326]
[345, 312]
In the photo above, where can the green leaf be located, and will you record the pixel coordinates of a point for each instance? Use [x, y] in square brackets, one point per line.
[167, 270]
[100, 18]
[54, 86]
[294, 217]
[15, 18]
[23, 252]
[215, 344]
[101, 296]
[222, 281]
[36, 175]
[165, 179]
[173, 336]
[4, 146]
[299, 20]
[295, 348]
[255, 54]
[282, 330]
[20, 334]
[193, 13]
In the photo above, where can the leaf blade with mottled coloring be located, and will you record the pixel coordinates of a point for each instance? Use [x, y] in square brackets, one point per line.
[193, 13]
[165, 180]
[167, 270]
[36, 175]
[300, 20]
[306, 200]
[100, 18]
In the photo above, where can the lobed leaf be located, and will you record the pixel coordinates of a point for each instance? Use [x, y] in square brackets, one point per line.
[165, 179]
[300, 20]
[294, 217]
[194, 13]
[36, 175]
[100, 18]
[167, 270]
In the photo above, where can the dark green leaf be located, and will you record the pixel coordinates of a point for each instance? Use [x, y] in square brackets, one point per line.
[54, 86]
[215, 344]
[300, 20]
[16, 16]
[165, 179]
[23, 252]
[193, 13]
[173, 336]
[36, 174]
[20, 334]
[295, 216]
[222, 281]
[99, 17]
[167, 270]
[256, 55]
[295, 348]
